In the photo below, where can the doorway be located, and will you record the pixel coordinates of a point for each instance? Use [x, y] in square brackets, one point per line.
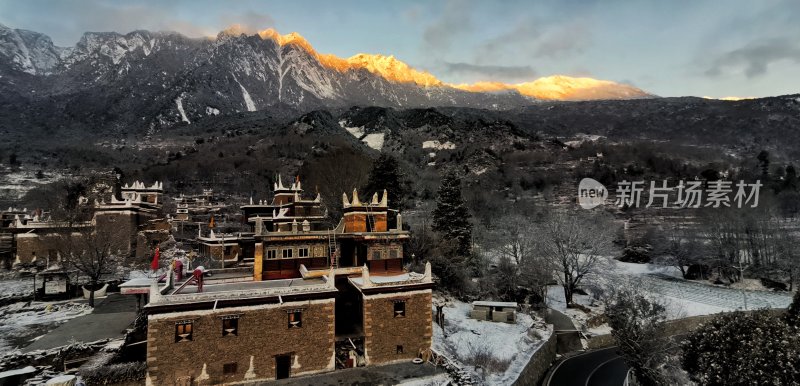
[283, 366]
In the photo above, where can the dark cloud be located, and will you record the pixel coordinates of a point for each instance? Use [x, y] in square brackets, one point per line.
[494, 72]
[755, 57]
[455, 20]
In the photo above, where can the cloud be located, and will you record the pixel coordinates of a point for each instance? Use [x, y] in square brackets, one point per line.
[563, 40]
[535, 40]
[65, 22]
[755, 57]
[250, 22]
[455, 20]
[492, 72]
[519, 39]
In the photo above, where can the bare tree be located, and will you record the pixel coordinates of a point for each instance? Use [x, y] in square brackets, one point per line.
[576, 245]
[93, 251]
[517, 239]
[516, 244]
[676, 246]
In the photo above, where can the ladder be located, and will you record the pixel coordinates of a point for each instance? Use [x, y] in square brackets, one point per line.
[370, 219]
[332, 252]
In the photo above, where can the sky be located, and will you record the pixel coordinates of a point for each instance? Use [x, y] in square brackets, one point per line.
[740, 48]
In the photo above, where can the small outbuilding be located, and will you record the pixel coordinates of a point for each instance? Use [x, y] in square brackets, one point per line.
[494, 311]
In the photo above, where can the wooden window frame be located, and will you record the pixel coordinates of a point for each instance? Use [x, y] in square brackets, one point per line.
[234, 321]
[294, 319]
[401, 313]
[180, 329]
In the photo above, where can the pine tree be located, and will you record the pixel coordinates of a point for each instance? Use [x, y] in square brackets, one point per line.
[792, 316]
[451, 218]
[386, 174]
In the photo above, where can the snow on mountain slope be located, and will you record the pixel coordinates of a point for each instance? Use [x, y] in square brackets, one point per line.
[28, 51]
[135, 78]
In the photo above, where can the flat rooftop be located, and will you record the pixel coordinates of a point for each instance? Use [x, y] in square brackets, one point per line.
[252, 285]
[248, 291]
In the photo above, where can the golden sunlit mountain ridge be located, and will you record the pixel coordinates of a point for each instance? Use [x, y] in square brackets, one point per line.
[557, 87]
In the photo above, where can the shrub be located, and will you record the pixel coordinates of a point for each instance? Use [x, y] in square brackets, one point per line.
[113, 374]
[744, 348]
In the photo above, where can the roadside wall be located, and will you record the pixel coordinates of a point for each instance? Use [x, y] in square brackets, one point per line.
[540, 362]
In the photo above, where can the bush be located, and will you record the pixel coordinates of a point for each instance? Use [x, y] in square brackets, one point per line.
[756, 348]
[481, 356]
[117, 373]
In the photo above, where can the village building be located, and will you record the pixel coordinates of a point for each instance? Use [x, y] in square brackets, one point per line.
[227, 249]
[317, 300]
[196, 207]
[134, 219]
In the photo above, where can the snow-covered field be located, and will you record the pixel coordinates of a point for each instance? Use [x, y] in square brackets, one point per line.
[14, 183]
[683, 298]
[23, 322]
[510, 345]
[15, 287]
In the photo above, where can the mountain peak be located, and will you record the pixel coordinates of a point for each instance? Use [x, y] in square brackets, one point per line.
[562, 87]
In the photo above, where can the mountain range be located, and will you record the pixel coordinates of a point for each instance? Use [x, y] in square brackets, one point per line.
[151, 80]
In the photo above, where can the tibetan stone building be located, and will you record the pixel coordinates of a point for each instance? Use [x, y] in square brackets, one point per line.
[317, 300]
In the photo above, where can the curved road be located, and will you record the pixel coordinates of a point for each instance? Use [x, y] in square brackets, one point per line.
[594, 368]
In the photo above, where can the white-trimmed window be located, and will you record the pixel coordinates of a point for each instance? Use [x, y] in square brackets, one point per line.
[288, 253]
[302, 252]
[272, 254]
[230, 325]
[399, 308]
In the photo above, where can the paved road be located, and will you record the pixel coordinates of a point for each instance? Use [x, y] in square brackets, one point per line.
[593, 368]
[109, 320]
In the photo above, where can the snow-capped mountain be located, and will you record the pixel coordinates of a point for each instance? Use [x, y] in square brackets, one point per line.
[157, 79]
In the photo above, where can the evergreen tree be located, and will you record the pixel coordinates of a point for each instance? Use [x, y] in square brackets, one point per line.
[386, 174]
[792, 316]
[738, 348]
[451, 218]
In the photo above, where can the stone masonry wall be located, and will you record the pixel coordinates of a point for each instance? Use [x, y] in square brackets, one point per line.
[263, 334]
[383, 332]
[540, 362]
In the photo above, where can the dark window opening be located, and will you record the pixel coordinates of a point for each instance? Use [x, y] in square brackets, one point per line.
[230, 326]
[295, 319]
[229, 368]
[399, 349]
[399, 309]
[183, 332]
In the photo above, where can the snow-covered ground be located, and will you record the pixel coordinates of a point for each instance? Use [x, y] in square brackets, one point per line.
[22, 323]
[16, 287]
[14, 183]
[510, 345]
[683, 298]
